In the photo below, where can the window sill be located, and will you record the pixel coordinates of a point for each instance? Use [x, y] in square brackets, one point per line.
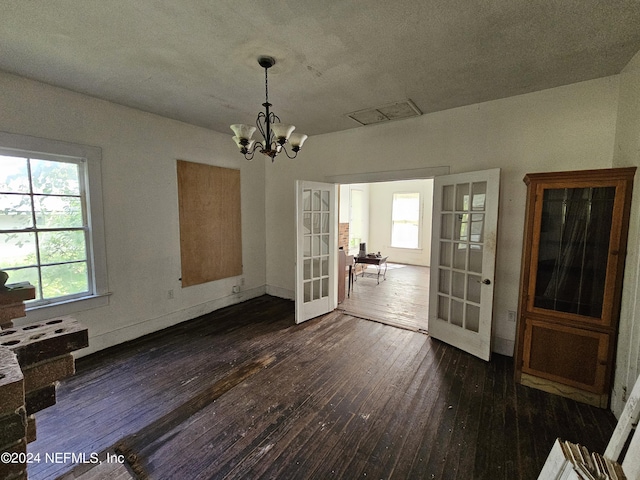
[68, 307]
[412, 249]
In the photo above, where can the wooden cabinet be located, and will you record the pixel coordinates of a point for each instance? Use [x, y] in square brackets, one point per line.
[574, 249]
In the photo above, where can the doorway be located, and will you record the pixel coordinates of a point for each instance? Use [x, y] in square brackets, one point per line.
[392, 218]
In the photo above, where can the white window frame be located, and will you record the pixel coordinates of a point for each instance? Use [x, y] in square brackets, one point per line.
[22, 145]
[420, 202]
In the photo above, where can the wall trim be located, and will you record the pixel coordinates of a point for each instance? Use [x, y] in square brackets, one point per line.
[388, 176]
[145, 327]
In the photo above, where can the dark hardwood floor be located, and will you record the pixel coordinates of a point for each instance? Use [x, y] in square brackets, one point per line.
[243, 393]
[401, 300]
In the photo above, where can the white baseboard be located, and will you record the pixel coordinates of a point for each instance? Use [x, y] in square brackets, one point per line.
[131, 332]
[503, 346]
[281, 292]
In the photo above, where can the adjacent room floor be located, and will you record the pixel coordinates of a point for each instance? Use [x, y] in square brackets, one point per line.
[244, 393]
[401, 299]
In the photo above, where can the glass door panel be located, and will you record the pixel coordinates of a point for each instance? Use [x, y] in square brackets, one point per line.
[573, 249]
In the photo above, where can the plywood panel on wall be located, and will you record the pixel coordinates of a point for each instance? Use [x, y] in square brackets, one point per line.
[210, 227]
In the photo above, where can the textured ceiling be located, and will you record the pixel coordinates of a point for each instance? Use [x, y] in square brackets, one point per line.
[195, 60]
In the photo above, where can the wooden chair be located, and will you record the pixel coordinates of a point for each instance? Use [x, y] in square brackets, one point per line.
[565, 461]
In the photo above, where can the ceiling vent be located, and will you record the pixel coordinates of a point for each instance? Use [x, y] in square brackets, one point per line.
[386, 113]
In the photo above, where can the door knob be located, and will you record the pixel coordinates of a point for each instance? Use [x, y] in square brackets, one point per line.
[486, 281]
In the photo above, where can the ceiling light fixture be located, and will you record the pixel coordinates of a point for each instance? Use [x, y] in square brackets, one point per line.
[275, 134]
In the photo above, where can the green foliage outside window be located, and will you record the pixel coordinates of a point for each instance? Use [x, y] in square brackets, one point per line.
[43, 225]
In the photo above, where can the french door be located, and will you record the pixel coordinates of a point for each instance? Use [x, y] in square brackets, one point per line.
[463, 257]
[316, 251]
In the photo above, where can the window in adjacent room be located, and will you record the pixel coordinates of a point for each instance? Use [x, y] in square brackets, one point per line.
[50, 219]
[405, 220]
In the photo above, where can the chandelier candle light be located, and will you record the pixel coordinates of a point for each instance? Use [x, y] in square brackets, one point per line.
[275, 134]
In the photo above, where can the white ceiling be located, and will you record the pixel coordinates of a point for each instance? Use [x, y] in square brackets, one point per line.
[195, 60]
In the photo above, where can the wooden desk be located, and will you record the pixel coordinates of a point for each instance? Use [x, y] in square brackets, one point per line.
[379, 262]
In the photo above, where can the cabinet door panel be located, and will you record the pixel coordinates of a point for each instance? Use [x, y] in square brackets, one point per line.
[574, 356]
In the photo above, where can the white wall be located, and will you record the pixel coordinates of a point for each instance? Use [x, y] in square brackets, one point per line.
[627, 154]
[139, 153]
[565, 128]
[381, 200]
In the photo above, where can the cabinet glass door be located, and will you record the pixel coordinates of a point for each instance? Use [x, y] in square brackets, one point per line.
[575, 226]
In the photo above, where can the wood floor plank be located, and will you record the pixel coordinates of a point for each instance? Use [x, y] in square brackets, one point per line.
[342, 397]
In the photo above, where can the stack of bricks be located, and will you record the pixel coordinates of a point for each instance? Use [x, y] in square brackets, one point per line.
[33, 358]
[12, 299]
[13, 417]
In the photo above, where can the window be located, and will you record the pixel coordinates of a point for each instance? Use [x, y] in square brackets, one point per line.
[51, 219]
[405, 220]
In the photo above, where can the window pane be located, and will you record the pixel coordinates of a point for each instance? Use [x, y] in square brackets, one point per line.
[15, 212]
[446, 226]
[306, 271]
[405, 229]
[56, 247]
[13, 175]
[58, 212]
[460, 256]
[17, 250]
[325, 245]
[444, 280]
[325, 223]
[306, 200]
[325, 200]
[447, 198]
[479, 196]
[472, 321]
[443, 308]
[67, 279]
[56, 178]
[462, 197]
[26, 275]
[307, 292]
[306, 223]
[306, 246]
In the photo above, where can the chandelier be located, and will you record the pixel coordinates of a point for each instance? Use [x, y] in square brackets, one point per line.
[275, 135]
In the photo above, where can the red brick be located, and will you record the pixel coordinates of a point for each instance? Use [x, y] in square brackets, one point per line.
[11, 382]
[45, 340]
[9, 312]
[31, 428]
[45, 373]
[40, 399]
[12, 471]
[13, 427]
[16, 293]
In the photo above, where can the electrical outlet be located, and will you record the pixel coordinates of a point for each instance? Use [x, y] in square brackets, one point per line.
[511, 316]
[170, 294]
[236, 289]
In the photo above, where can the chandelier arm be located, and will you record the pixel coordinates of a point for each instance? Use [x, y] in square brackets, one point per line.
[261, 123]
[295, 154]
